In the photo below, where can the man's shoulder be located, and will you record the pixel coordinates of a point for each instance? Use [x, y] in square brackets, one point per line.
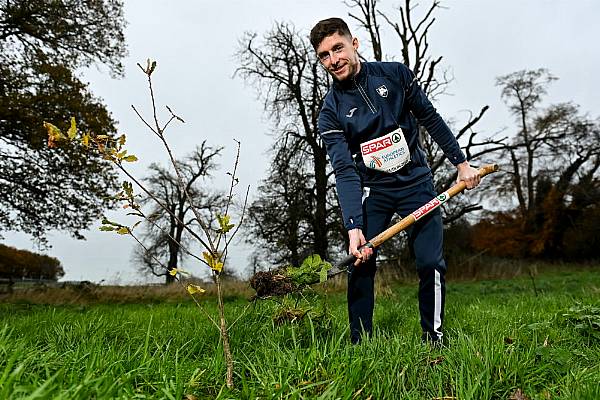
[330, 98]
[384, 68]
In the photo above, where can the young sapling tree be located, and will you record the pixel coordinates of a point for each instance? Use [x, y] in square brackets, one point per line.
[213, 235]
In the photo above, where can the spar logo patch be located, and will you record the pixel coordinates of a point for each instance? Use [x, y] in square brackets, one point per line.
[431, 205]
[380, 144]
[382, 91]
[375, 162]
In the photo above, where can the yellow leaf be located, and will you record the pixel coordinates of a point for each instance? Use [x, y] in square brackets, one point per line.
[122, 140]
[224, 224]
[85, 140]
[72, 132]
[54, 134]
[218, 266]
[123, 230]
[192, 289]
[214, 262]
[130, 158]
[173, 272]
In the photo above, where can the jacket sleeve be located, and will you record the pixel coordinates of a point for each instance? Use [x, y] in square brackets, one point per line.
[347, 180]
[427, 115]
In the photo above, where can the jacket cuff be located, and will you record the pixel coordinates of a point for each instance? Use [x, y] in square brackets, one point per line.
[353, 223]
[457, 158]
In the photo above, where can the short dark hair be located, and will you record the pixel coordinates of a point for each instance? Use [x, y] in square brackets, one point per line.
[326, 28]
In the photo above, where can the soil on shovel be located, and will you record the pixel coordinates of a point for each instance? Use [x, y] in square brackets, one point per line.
[272, 283]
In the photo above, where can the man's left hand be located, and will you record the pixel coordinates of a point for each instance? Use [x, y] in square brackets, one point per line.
[468, 174]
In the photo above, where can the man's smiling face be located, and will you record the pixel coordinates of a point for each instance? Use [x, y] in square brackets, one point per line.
[339, 57]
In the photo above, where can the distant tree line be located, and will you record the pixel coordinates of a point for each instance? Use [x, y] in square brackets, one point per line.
[18, 264]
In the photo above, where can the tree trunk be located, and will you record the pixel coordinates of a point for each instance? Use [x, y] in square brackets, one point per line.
[224, 334]
[320, 218]
[172, 264]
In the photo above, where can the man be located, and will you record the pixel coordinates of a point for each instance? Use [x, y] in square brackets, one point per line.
[369, 125]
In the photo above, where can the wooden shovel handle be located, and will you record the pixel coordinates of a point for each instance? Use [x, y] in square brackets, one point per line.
[417, 214]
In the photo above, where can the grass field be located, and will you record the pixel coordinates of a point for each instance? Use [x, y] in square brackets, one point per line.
[504, 342]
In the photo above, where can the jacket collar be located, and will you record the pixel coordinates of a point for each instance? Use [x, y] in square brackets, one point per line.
[357, 79]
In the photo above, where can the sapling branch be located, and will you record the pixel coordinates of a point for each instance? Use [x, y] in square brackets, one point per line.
[160, 133]
[176, 278]
[164, 207]
[181, 245]
[231, 325]
[232, 184]
[143, 120]
[182, 187]
[243, 214]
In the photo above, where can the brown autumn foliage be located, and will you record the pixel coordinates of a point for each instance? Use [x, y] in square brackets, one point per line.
[563, 232]
[17, 264]
[501, 235]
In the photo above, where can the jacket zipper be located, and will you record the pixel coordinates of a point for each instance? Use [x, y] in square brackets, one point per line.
[363, 94]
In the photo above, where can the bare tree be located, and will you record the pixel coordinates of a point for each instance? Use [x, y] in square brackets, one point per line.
[281, 215]
[166, 225]
[292, 84]
[552, 160]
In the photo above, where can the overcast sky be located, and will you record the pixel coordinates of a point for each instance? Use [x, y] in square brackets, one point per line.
[194, 44]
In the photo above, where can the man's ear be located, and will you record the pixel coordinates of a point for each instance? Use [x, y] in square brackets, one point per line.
[355, 43]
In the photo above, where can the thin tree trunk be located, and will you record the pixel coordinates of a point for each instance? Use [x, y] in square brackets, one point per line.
[224, 334]
[320, 226]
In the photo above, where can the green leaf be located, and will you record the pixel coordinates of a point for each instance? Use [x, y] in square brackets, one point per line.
[106, 221]
[323, 275]
[130, 158]
[312, 270]
[72, 132]
[128, 188]
[224, 224]
[107, 228]
[312, 262]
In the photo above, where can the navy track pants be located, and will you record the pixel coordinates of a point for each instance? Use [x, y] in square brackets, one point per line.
[426, 240]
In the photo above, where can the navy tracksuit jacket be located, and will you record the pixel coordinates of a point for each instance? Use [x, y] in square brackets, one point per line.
[381, 98]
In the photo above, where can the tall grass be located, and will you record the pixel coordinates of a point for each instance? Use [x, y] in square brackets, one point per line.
[501, 338]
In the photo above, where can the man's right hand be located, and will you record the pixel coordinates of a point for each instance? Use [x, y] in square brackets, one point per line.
[357, 239]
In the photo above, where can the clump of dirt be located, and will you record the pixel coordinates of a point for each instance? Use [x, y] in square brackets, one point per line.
[289, 279]
[272, 283]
